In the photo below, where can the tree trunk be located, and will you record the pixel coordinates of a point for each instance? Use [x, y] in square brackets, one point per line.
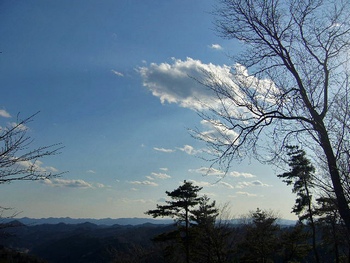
[343, 207]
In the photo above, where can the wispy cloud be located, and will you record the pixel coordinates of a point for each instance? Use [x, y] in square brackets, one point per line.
[5, 114]
[164, 169]
[216, 47]
[91, 171]
[119, 74]
[57, 182]
[246, 194]
[201, 183]
[216, 131]
[252, 183]
[188, 149]
[238, 174]
[164, 150]
[18, 126]
[148, 183]
[37, 166]
[207, 171]
[161, 175]
[142, 201]
[227, 185]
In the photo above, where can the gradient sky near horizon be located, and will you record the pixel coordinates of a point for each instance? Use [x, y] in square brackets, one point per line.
[111, 81]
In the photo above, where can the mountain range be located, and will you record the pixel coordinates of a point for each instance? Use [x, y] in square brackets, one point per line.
[112, 221]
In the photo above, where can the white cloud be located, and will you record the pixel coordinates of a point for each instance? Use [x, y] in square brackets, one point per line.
[5, 114]
[163, 169]
[227, 185]
[216, 47]
[201, 183]
[119, 74]
[21, 127]
[164, 150]
[252, 183]
[57, 182]
[208, 171]
[91, 171]
[37, 166]
[148, 183]
[149, 177]
[178, 82]
[244, 175]
[246, 194]
[217, 132]
[161, 175]
[188, 149]
[142, 201]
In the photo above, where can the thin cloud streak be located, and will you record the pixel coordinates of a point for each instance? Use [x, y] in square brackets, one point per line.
[164, 150]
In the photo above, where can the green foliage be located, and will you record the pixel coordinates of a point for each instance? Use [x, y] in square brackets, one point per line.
[261, 238]
[206, 213]
[300, 176]
[195, 217]
[182, 199]
[294, 243]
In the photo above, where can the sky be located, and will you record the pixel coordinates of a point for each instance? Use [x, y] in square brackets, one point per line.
[114, 83]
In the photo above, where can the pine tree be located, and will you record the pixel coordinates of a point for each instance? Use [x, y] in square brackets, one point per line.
[180, 207]
[300, 176]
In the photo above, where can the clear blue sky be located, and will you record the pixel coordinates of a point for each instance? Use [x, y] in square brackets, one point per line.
[110, 79]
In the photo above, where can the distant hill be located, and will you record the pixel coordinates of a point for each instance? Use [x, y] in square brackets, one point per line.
[110, 221]
[104, 221]
[80, 243]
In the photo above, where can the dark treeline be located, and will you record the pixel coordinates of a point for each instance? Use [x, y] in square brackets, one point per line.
[202, 235]
[258, 238]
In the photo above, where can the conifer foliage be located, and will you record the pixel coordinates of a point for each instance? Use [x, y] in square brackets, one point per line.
[191, 212]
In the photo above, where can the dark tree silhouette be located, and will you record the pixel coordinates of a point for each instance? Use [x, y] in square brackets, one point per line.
[261, 239]
[183, 200]
[18, 161]
[297, 89]
[301, 177]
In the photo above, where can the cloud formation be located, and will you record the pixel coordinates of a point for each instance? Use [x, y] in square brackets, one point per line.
[178, 82]
[216, 47]
[5, 114]
[161, 175]
[188, 149]
[164, 150]
[119, 74]
[246, 194]
[252, 183]
[201, 183]
[244, 175]
[146, 182]
[37, 166]
[208, 171]
[57, 182]
[227, 185]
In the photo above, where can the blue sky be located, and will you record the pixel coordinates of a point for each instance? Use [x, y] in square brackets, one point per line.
[111, 82]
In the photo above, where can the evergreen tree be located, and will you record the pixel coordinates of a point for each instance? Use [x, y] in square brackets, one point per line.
[300, 176]
[180, 207]
[261, 238]
[204, 232]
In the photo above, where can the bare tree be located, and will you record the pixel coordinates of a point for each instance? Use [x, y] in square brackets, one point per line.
[17, 161]
[296, 91]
